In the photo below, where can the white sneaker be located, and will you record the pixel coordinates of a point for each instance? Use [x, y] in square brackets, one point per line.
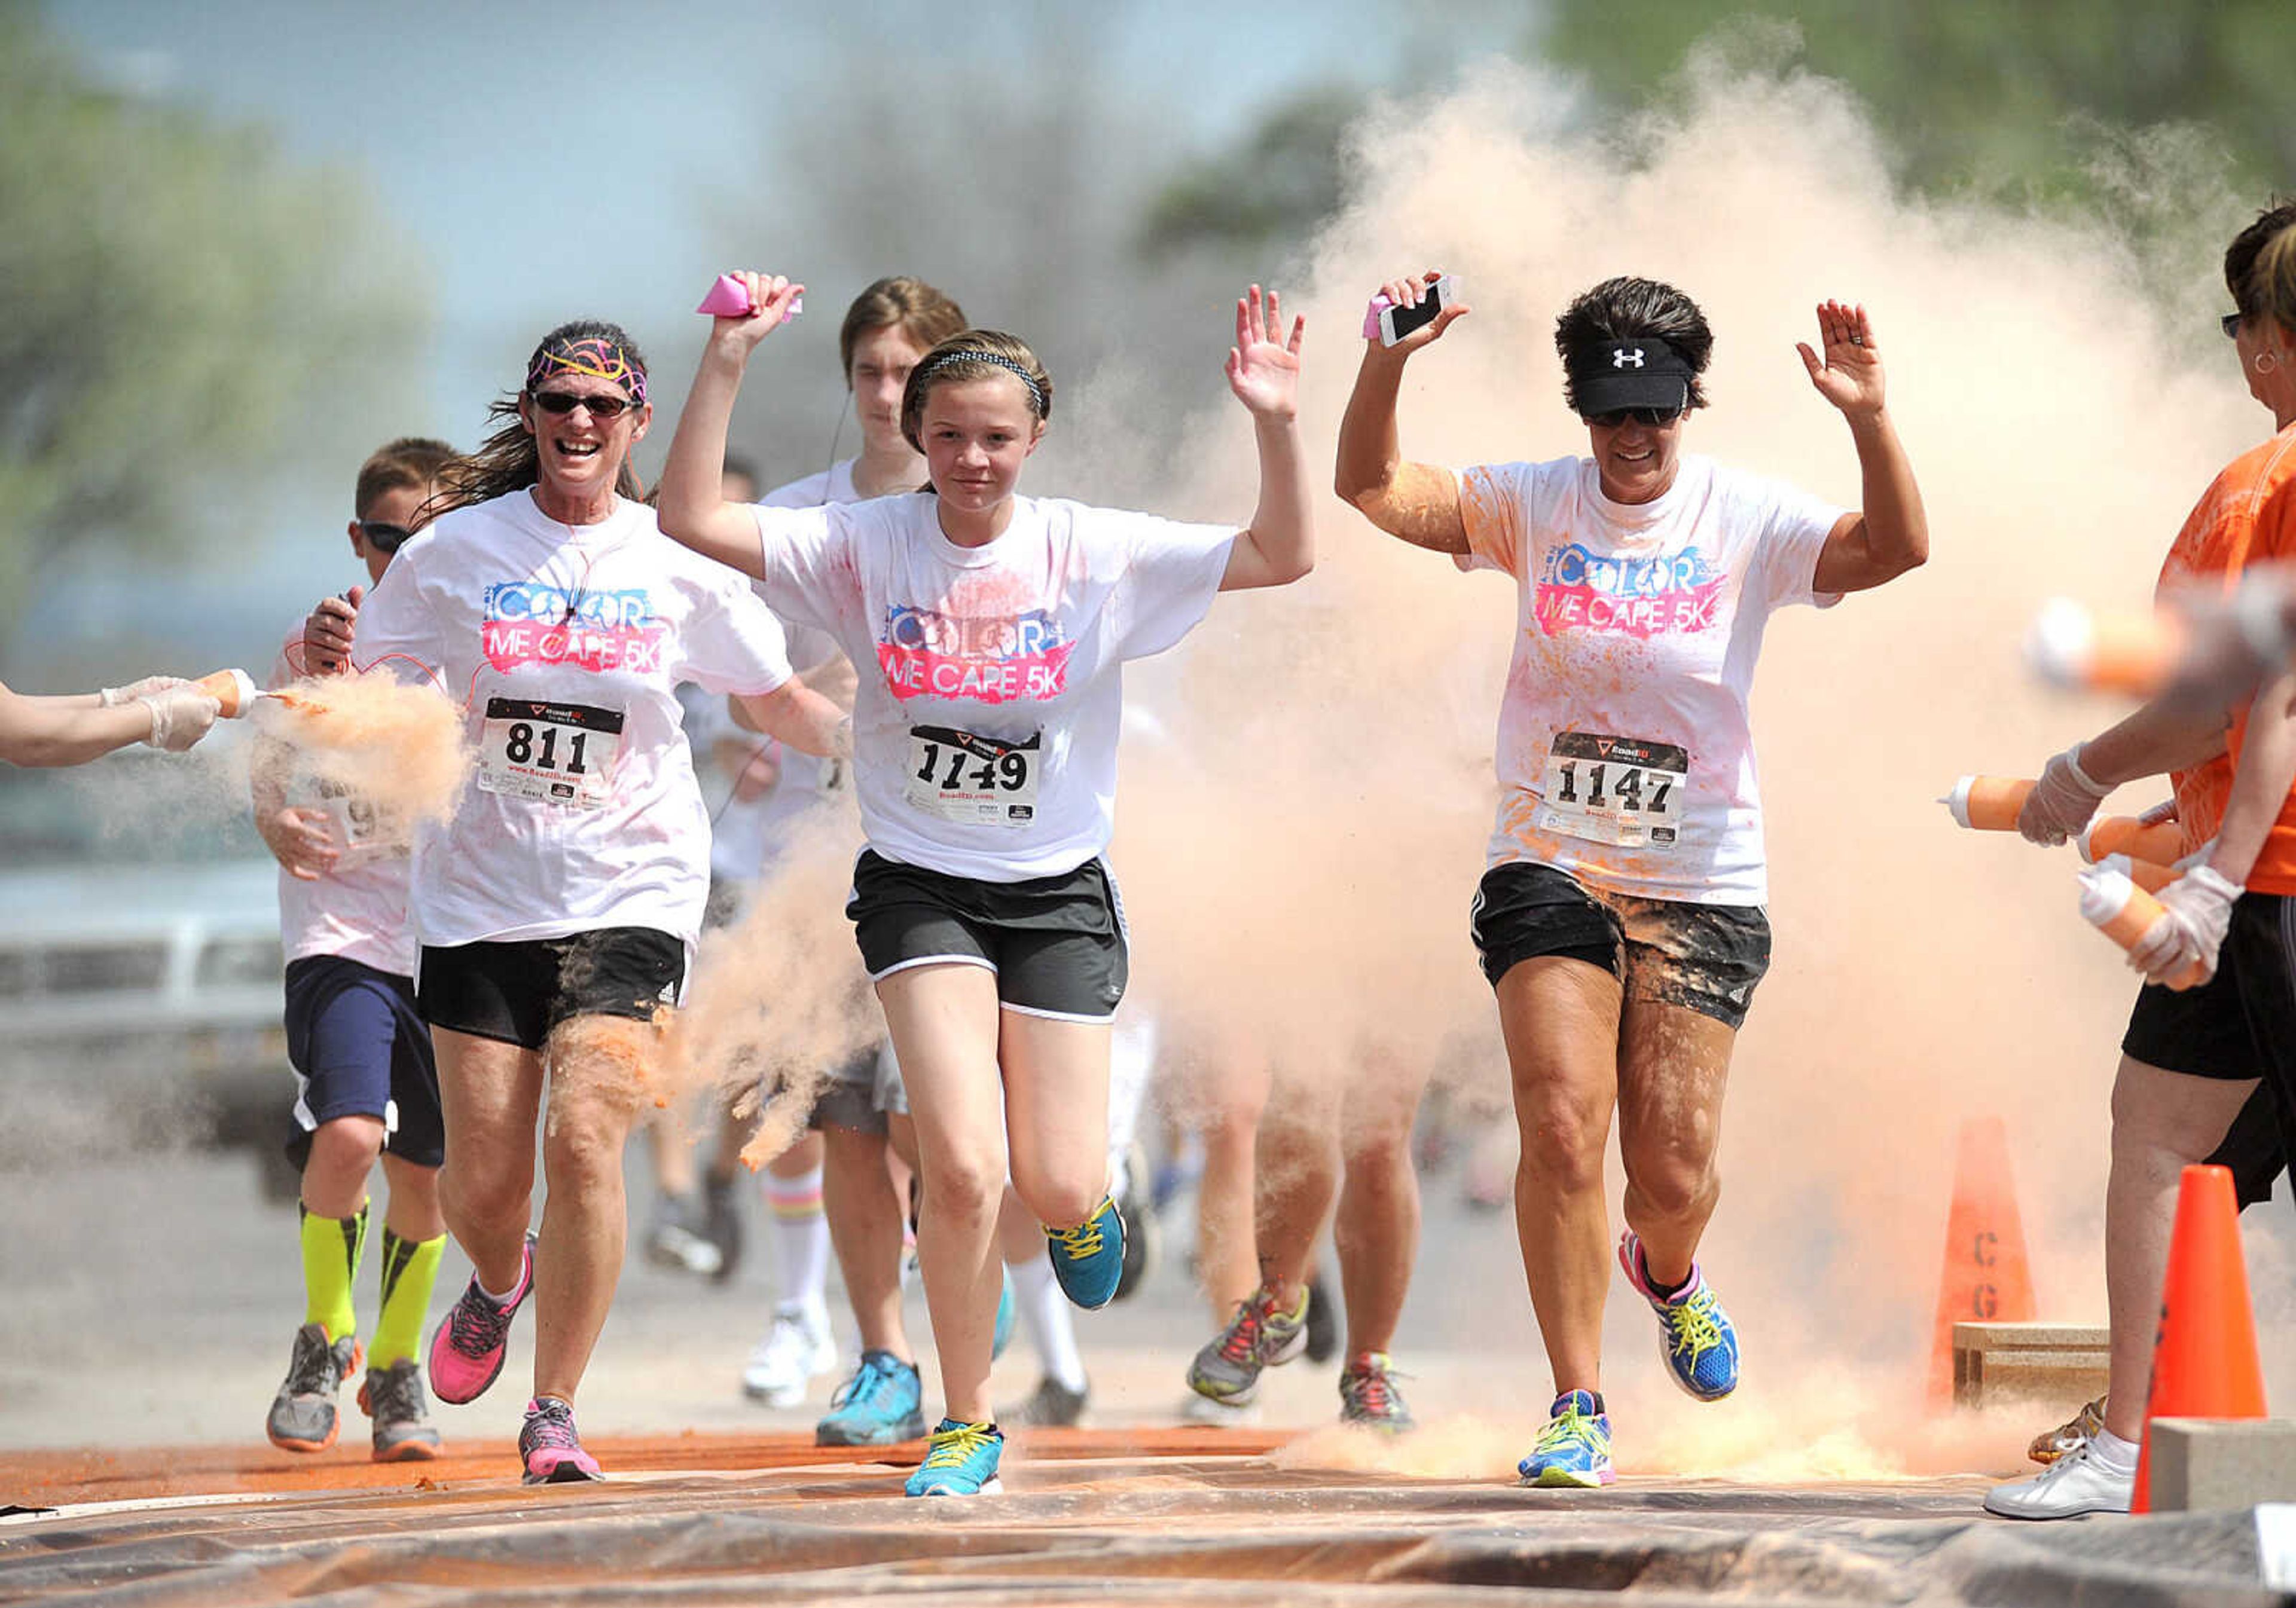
[2076, 1483]
[1226, 1415]
[798, 1346]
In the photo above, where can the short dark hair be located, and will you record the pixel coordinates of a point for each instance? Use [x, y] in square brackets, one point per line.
[1622, 308]
[2247, 246]
[411, 463]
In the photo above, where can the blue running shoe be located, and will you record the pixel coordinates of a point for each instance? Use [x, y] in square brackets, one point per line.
[1003, 1337]
[881, 1405]
[1574, 1447]
[962, 1462]
[1695, 1337]
[1088, 1260]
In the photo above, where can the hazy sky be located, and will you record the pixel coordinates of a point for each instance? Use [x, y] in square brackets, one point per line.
[530, 149]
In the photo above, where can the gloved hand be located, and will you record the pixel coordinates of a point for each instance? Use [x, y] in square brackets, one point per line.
[111, 697]
[180, 717]
[2062, 802]
[2199, 909]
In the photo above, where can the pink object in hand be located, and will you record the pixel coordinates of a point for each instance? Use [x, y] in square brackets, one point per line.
[1379, 305]
[729, 298]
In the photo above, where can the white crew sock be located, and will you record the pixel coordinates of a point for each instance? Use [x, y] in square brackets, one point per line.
[802, 1232]
[2109, 1451]
[1050, 1319]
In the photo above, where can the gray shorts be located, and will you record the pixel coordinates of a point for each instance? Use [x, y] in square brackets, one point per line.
[862, 1092]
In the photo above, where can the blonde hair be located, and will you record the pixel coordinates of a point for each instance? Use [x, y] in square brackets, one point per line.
[922, 314]
[974, 355]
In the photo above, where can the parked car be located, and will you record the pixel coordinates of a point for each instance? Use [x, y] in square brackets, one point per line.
[142, 995]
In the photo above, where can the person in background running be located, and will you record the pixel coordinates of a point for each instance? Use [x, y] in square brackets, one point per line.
[559, 908]
[985, 756]
[2192, 1058]
[1621, 922]
[367, 1084]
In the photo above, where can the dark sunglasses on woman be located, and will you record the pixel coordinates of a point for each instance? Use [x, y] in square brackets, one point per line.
[566, 402]
[1656, 418]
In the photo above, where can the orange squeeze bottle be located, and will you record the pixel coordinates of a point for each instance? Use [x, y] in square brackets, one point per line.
[2163, 844]
[235, 689]
[1987, 804]
[2150, 876]
[2112, 902]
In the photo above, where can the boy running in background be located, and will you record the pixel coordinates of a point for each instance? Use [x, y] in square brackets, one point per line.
[367, 1087]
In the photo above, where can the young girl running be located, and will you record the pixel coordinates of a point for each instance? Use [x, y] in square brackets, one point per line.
[985, 768]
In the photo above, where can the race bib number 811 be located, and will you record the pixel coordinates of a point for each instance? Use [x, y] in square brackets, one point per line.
[1620, 790]
[550, 753]
[962, 776]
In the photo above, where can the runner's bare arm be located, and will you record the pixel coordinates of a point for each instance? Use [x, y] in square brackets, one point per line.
[1263, 369]
[1416, 502]
[298, 838]
[801, 717]
[692, 505]
[1891, 534]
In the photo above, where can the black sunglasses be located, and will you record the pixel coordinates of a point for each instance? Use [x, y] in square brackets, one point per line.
[566, 402]
[2230, 324]
[383, 536]
[1656, 418]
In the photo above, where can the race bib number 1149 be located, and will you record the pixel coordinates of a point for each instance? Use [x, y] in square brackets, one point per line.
[962, 776]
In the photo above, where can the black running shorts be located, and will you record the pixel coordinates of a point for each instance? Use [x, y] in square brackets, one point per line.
[1056, 943]
[518, 992]
[1705, 957]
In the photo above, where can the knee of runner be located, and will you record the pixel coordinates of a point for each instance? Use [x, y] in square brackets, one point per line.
[479, 1197]
[968, 1188]
[348, 1141]
[1562, 1137]
[1673, 1190]
[1063, 1203]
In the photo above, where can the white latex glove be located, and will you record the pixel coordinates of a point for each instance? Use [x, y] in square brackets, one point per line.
[2062, 802]
[111, 697]
[180, 717]
[2200, 908]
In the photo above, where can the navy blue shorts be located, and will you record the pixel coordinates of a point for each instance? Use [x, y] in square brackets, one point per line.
[360, 1048]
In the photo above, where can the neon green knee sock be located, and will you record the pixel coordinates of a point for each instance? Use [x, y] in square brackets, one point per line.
[331, 1248]
[410, 1267]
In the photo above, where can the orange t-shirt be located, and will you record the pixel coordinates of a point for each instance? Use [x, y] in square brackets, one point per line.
[2247, 516]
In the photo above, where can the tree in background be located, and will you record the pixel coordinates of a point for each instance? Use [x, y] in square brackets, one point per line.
[180, 302]
[2154, 113]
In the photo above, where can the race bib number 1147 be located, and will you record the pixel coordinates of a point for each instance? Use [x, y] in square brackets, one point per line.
[1623, 791]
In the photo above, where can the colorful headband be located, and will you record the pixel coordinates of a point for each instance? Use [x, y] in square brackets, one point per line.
[934, 365]
[596, 356]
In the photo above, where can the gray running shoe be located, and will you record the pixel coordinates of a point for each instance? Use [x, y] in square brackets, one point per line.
[1368, 1396]
[303, 1417]
[1053, 1406]
[1257, 1337]
[393, 1398]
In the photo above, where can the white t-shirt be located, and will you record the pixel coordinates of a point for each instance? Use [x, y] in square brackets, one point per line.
[985, 740]
[567, 642]
[358, 909]
[1625, 755]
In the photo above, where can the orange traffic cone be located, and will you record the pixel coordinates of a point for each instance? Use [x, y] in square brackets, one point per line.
[1986, 1277]
[2204, 1362]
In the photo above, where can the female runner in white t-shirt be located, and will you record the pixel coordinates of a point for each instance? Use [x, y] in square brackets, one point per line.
[558, 908]
[985, 767]
[1620, 921]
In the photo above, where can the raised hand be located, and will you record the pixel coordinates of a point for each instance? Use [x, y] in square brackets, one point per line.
[770, 295]
[1408, 293]
[1849, 374]
[1263, 367]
